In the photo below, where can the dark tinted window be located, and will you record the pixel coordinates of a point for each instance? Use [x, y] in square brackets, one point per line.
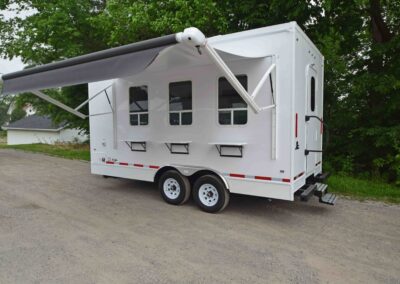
[227, 95]
[138, 106]
[186, 118]
[232, 108]
[180, 103]
[138, 101]
[180, 96]
[174, 118]
[312, 94]
[225, 117]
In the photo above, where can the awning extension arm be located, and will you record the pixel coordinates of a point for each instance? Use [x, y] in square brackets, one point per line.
[91, 98]
[249, 99]
[196, 38]
[74, 111]
[59, 104]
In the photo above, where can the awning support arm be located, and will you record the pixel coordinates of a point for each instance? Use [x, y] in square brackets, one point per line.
[91, 98]
[69, 109]
[59, 104]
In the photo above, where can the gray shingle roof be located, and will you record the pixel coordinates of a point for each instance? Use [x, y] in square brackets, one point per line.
[35, 122]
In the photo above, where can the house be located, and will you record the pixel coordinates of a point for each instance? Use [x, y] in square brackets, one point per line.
[40, 129]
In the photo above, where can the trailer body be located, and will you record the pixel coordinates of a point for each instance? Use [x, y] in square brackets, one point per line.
[238, 113]
[273, 142]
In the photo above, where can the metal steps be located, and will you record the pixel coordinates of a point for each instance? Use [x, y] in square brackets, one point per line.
[328, 198]
[308, 192]
[320, 190]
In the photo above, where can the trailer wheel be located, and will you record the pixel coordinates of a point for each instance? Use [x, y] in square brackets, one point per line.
[174, 187]
[210, 194]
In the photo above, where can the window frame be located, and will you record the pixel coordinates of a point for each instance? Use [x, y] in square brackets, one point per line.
[138, 113]
[232, 110]
[180, 112]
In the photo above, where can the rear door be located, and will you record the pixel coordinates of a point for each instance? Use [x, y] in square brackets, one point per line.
[313, 125]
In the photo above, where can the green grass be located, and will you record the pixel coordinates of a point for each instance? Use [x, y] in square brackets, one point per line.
[364, 189]
[344, 185]
[68, 151]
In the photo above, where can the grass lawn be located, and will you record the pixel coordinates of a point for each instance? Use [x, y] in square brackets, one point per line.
[364, 189]
[69, 151]
[349, 186]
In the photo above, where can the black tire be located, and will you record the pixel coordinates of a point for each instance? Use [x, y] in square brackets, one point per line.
[213, 183]
[174, 179]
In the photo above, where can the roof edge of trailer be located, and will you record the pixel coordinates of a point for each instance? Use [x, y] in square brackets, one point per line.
[99, 55]
[309, 41]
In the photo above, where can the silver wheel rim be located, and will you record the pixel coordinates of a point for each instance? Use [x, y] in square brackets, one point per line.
[208, 194]
[171, 188]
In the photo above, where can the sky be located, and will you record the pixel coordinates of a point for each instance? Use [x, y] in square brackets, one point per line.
[7, 66]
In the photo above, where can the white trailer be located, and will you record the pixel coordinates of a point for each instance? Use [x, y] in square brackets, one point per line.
[238, 113]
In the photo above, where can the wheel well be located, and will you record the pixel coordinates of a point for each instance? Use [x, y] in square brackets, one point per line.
[200, 173]
[161, 171]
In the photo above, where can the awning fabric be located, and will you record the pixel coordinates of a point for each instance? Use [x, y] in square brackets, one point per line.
[113, 63]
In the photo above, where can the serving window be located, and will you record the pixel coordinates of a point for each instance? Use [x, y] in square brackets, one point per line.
[138, 105]
[232, 109]
[180, 103]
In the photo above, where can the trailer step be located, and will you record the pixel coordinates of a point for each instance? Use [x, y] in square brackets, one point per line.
[321, 189]
[308, 192]
[328, 198]
[322, 177]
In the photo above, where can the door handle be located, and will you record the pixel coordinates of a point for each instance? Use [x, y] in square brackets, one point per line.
[306, 152]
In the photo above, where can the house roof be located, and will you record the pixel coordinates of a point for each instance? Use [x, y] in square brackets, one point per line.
[35, 122]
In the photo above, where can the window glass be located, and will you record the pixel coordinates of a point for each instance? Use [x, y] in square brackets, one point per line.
[174, 118]
[312, 89]
[138, 105]
[186, 118]
[225, 117]
[180, 103]
[240, 117]
[144, 118]
[232, 108]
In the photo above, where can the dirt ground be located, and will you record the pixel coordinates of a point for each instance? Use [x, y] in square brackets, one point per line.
[60, 224]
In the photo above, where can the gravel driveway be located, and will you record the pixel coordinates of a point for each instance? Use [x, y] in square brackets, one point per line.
[60, 224]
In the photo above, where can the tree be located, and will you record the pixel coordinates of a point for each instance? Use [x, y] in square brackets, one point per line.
[17, 114]
[3, 113]
[361, 40]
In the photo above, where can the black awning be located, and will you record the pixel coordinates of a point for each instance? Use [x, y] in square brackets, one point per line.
[103, 65]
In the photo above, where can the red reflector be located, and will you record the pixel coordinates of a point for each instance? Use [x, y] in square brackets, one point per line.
[286, 179]
[123, 164]
[110, 163]
[237, 175]
[263, 178]
[296, 125]
[138, 165]
[154, 167]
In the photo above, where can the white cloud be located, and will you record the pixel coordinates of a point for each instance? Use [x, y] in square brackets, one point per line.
[7, 66]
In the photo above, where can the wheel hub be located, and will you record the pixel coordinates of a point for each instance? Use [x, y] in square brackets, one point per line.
[171, 188]
[208, 194]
